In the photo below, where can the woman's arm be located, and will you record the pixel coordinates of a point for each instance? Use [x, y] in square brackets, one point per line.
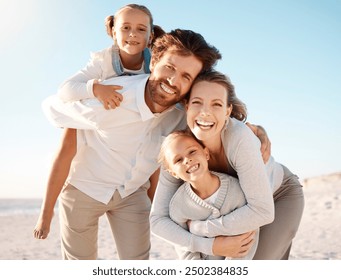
[165, 228]
[245, 157]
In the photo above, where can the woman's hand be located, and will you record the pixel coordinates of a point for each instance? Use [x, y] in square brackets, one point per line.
[236, 246]
[108, 95]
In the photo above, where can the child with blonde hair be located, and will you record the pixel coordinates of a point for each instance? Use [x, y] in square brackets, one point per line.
[204, 194]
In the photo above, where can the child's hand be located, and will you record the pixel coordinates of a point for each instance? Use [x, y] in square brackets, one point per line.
[107, 95]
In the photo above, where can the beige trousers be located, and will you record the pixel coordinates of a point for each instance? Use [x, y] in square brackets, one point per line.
[275, 239]
[128, 218]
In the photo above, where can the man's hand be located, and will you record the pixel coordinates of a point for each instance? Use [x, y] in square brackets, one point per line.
[264, 140]
[236, 246]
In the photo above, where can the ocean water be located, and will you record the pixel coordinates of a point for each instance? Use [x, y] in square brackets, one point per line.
[9, 207]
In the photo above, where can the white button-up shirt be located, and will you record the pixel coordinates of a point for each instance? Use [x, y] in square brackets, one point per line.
[117, 149]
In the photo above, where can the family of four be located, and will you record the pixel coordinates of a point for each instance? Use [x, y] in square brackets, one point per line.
[164, 149]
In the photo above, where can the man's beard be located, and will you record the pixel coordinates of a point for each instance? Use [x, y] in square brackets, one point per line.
[161, 98]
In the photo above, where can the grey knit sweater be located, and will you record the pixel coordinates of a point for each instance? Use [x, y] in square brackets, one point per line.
[257, 181]
[187, 205]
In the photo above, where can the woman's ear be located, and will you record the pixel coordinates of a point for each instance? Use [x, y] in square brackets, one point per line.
[229, 111]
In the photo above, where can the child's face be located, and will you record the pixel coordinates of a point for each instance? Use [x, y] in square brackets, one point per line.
[207, 110]
[186, 159]
[132, 31]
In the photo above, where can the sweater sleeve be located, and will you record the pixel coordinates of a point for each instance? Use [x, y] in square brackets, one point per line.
[244, 155]
[162, 225]
[80, 85]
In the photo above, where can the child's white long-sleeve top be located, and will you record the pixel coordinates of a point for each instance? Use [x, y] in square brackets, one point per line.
[101, 66]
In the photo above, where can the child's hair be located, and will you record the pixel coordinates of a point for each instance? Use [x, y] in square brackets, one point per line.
[156, 30]
[239, 111]
[186, 43]
[171, 137]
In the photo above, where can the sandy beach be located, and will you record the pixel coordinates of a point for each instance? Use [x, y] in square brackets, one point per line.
[317, 239]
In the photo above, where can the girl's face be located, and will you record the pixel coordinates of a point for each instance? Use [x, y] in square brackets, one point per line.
[186, 159]
[132, 31]
[207, 110]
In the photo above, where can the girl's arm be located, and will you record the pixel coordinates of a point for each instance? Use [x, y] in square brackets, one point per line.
[58, 174]
[80, 85]
[80, 115]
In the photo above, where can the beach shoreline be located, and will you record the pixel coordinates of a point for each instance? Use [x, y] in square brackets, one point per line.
[317, 237]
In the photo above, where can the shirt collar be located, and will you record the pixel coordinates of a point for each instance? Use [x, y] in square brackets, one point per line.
[145, 112]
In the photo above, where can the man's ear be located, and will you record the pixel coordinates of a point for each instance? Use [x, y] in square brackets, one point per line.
[185, 103]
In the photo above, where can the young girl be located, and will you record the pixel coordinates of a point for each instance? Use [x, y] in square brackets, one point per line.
[204, 194]
[215, 116]
[133, 31]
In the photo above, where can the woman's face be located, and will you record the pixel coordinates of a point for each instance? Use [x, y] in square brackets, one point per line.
[207, 110]
[132, 31]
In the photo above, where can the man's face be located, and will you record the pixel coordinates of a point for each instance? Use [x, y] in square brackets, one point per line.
[170, 80]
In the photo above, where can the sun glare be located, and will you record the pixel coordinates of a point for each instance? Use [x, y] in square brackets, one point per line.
[15, 15]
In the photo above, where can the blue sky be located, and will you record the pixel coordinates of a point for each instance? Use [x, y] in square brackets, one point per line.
[282, 56]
